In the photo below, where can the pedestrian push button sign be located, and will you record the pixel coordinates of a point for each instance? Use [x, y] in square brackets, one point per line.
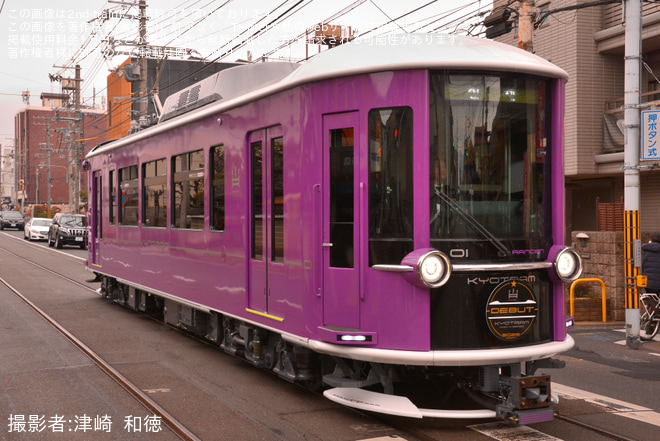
[651, 134]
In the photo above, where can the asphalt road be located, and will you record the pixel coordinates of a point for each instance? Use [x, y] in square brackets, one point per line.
[219, 397]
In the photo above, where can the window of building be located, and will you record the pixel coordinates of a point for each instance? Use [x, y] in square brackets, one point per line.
[188, 190]
[154, 193]
[129, 191]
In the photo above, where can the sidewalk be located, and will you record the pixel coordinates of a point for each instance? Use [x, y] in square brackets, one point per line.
[608, 324]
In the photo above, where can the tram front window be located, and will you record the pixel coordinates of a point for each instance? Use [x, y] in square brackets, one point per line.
[390, 184]
[489, 161]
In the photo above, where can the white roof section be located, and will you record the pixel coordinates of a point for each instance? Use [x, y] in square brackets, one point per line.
[243, 84]
[226, 84]
[423, 51]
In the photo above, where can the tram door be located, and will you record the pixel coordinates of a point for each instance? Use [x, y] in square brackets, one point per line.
[96, 220]
[342, 195]
[266, 152]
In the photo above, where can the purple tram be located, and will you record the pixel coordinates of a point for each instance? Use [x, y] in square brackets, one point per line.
[383, 220]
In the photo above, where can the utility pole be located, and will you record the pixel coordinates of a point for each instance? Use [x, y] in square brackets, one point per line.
[48, 148]
[526, 25]
[632, 137]
[142, 100]
[75, 148]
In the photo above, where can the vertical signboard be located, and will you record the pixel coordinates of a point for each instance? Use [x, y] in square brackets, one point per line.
[650, 135]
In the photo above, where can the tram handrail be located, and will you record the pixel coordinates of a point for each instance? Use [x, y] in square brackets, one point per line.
[603, 295]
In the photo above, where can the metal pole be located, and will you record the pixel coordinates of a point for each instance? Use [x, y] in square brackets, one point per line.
[142, 96]
[526, 25]
[75, 146]
[632, 86]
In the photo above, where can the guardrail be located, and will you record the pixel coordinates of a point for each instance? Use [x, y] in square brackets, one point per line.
[603, 295]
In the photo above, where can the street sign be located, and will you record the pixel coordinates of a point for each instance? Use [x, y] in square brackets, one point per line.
[650, 135]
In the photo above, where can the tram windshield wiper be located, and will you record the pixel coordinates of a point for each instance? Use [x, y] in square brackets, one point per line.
[471, 221]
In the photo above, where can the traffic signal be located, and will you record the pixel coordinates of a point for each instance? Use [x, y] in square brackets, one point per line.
[497, 23]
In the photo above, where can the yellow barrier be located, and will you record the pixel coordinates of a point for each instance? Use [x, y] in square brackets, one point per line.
[602, 284]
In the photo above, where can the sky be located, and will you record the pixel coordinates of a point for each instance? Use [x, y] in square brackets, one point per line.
[40, 39]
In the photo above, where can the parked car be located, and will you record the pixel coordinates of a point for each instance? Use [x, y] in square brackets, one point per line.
[37, 228]
[68, 229]
[11, 219]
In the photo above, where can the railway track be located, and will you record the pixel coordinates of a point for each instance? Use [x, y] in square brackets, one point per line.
[172, 423]
[404, 429]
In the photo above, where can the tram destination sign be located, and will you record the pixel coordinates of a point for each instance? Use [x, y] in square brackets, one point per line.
[651, 135]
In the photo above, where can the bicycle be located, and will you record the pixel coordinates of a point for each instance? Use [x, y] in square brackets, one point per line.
[649, 322]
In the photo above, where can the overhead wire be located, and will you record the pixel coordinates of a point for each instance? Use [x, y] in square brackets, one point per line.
[242, 43]
[168, 19]
[385, 14]
[454, 22]
[303, 34]
[399, 17]
[259, 27]
[199, 21]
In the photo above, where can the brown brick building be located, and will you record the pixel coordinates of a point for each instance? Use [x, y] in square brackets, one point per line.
[46, 136]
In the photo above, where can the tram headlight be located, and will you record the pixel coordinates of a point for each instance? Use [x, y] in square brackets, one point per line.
[568, 265]
[433, 269]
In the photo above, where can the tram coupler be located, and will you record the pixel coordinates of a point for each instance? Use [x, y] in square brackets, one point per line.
[529, 400]
[525, 417]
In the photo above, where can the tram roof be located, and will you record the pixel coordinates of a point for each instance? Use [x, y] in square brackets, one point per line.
[422, 51]
[362, 56]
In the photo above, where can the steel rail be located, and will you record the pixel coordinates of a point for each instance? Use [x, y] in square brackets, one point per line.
[172, 423]
[186, 434]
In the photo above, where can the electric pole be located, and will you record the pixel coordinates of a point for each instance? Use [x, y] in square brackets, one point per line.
[76, 148]
[142, 98]
[526, 25]
[632, 137]
[75, 127]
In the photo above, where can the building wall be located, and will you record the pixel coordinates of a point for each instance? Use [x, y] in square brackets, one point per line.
[602, 260]
[165, 76]
[119, 104]
[32, 126]
[596, 84]
[595, 80]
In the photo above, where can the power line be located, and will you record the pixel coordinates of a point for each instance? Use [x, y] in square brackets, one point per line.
[303, 34]
[399, 17]
[388, 17]
[241, 44]
[199, 21]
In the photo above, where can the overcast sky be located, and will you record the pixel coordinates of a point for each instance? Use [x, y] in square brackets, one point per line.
[40, 34]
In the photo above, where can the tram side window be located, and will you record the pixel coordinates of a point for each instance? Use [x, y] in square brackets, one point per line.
[154, 193]
[113, 197]
[342, 197]
[188, 190]
[129, 191]
[218, 188]
[390, 184]
[277, 176]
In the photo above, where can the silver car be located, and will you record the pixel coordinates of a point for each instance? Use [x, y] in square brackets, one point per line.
[37, 228]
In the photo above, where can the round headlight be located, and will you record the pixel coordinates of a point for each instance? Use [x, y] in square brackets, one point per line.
[433, 269]
[568, 265]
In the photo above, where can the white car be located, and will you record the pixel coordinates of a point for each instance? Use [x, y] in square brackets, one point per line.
[37, 228]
